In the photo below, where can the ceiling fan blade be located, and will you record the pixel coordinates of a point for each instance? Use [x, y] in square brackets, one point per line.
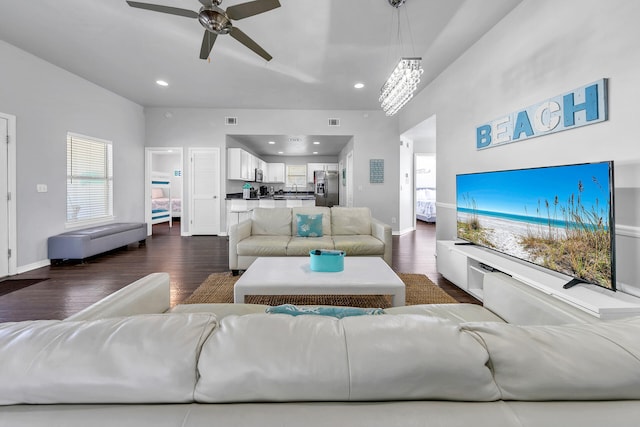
[164, 9]
[245, 10]
[207, 44]
[237, 34]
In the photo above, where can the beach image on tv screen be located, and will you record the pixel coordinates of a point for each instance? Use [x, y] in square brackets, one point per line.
[557, 217]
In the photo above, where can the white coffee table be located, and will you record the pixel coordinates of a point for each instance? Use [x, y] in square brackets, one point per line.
[293, 276]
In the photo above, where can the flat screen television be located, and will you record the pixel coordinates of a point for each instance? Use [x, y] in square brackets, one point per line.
[557, 217]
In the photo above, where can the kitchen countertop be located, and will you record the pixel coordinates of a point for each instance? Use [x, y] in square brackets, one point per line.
[286, 196]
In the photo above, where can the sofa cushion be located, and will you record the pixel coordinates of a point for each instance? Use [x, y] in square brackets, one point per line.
[459, 313]
[139, 359]
[348, 221]
[263, 246]
[262, 357]
[564, 362]
[271, 222]
[361, 245]
[275, 357]
[221, 310]
[409, 357]
[312, 210]
[300, 246]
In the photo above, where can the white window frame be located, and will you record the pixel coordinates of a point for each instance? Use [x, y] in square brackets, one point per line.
[81, 212]
[296, 176]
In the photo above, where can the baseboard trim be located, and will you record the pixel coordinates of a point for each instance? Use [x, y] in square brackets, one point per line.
[405, 231]
[33, 266]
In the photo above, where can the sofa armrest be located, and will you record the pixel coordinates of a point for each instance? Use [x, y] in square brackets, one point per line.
[148, 295]
[237, 233]
[382, 231]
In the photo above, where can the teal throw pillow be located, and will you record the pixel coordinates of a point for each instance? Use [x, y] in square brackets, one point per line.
[309, 225]
[338, 312]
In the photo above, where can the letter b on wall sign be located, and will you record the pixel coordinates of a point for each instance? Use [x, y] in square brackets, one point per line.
[483, 136]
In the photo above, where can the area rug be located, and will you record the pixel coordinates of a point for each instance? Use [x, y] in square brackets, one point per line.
[10, 285]
[218, 288]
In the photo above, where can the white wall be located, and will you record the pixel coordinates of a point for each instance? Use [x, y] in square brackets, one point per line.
[542, 49]
[48, 102]
[375, 136]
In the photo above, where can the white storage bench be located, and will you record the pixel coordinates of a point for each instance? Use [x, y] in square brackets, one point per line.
[81, 244]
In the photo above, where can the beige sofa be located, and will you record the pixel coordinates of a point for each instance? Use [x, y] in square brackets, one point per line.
[273, 232]
[232, 364]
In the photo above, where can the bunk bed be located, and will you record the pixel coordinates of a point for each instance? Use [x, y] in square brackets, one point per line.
[160, 199]
[426, 204]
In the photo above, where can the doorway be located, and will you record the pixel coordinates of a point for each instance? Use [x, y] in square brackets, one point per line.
[425, 187]
[164, 187]
[8, 224]
[423, 140]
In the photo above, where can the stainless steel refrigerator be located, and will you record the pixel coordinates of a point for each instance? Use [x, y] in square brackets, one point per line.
[325, 184]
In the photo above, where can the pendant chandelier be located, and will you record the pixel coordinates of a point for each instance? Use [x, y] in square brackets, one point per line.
[403, 81]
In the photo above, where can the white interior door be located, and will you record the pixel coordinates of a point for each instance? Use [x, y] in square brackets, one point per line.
[204, 190]
[4, 203]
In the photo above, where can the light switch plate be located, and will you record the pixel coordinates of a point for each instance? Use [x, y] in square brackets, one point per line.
[41, 188]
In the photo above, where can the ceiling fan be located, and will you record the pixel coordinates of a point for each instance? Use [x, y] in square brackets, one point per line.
[217, 21]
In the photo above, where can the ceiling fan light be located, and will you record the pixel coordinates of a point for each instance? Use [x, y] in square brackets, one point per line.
[214, 20]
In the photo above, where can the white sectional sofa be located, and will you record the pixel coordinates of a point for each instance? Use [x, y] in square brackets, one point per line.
[274, 232]
[233, 364]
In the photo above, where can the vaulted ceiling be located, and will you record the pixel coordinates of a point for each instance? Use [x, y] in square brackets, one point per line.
[320, 48]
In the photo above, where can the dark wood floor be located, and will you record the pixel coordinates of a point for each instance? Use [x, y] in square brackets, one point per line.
[70, 287]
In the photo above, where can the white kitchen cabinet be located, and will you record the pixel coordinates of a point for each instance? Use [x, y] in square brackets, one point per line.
[249, 166]
[241, 165]
[312, 167]
[274, 173]
[234, 163]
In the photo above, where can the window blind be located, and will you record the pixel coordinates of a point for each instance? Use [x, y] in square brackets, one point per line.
[89, 179]
[296, 175]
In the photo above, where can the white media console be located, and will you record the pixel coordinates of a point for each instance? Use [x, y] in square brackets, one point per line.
[466, 265]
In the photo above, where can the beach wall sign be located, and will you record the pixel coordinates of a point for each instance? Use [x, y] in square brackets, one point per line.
[579, 107]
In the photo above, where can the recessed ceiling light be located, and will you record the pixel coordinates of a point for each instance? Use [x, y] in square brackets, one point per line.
[358, 85]
[280, 152]
[272, 142]
[161, 83]
[315, 152]
[316, 142]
